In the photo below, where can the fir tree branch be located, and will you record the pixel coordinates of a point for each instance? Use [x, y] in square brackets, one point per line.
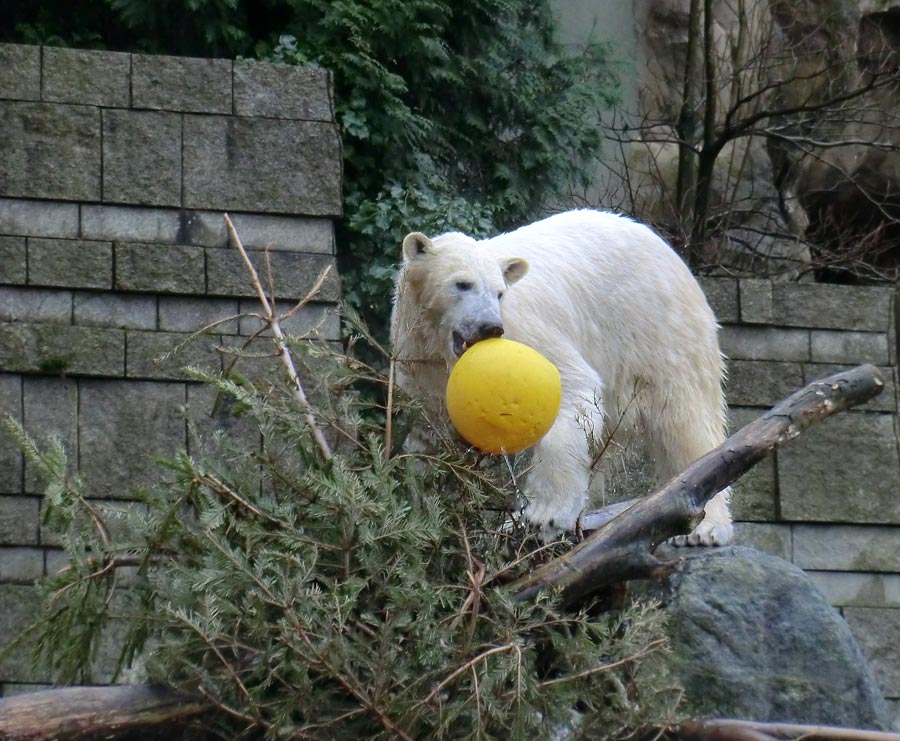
[465, 667]
[648, 649]
[281, 341]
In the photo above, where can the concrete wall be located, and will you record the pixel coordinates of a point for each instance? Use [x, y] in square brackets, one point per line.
[115, 170]
[830, 500]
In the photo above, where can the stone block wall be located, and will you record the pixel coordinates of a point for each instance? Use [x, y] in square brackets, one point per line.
[828, 501]
[114, 173]
[115, 170]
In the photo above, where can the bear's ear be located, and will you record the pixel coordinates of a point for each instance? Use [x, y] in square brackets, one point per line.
[514, 269]
[415, 245]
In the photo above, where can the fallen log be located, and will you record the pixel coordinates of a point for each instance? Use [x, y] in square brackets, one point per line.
[722, 729]
[623, 548]
[94, 712]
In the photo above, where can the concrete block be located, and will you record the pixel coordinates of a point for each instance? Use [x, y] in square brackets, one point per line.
[35, 305]
[845, 470]
[849, 347]
[178, 314]
[767, 537]
[217, 423]
[130, 224]
[893, 706]
[61, 348]
[19, 520]
[877, 631]
[160, 268]
[847, 548]
[756, 301]
[293, 274]
[282, 91]
[263, 231]
[181, 84]
[55, 559]
[50, 408]
[19, 604]
[142, 158]
[827, 306]
[123, 427]
[764, 343]
[11, 459]
[164, 355]
[848, 589]
[886, 401]
[722, 296]
[21, 78]
[13, 261]
[313, 321]
[268, 165]
[761, 383]
[86, 77]
[127, 311]
[50, 151]
[21, 564]
[38, 218]
[70, 263]
[754, 495]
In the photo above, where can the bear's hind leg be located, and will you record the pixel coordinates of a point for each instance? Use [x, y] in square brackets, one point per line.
[683, 426]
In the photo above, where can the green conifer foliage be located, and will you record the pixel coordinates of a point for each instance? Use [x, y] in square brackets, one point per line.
[354, 597]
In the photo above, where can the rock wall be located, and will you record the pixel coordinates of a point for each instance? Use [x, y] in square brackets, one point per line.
[826, 501]
[115, 170]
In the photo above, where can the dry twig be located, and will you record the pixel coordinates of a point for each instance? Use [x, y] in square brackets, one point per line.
[281, 341]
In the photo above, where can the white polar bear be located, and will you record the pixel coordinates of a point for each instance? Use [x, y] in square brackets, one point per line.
[612, 306]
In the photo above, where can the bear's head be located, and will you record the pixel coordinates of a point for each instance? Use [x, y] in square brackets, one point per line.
[458, 287]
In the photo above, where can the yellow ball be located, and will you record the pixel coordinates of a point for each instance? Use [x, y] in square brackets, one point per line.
[503, 396]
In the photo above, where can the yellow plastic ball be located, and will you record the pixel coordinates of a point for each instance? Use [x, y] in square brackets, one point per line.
[503, 396]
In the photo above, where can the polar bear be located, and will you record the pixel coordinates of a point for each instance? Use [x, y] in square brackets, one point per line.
[612, 306]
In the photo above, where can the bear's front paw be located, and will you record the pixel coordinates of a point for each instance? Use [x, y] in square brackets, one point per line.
[548, 521]
[706, 533]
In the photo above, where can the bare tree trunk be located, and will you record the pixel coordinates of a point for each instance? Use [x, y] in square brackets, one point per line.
[689, 135]
[622, 549]
[94, 712]
[709, 152]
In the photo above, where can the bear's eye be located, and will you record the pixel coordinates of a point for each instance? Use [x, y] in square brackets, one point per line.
[463, 285]
[500, 295]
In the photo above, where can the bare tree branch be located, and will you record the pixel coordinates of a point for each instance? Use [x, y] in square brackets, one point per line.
[622, 549]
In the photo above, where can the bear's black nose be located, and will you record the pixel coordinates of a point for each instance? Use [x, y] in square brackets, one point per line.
[489, 329]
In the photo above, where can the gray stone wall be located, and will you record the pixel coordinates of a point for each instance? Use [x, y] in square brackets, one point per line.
[114, 173]
[828, 501]
[115, 170]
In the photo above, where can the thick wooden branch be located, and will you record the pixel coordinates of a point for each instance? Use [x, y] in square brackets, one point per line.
[748, 730]
[94, 712]
[622, 549]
